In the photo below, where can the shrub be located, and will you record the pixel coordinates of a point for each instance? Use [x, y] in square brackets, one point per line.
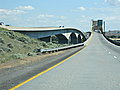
[23, 39]
[10, 34]
[27, 47]
[10, 45]
[44, 44]
[2, 60]
[1, 51]
[2, 41]
[52, 45]
[33, 41]
[6, 49]
[36, 50]
[18, 56]
[31, 54]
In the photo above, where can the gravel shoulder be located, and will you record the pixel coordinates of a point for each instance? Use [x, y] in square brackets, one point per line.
[17, 71]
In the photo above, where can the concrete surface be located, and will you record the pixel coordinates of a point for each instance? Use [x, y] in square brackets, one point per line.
[94, 68]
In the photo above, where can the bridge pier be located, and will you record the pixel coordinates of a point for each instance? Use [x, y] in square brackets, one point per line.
[79, 39]
[73, 38]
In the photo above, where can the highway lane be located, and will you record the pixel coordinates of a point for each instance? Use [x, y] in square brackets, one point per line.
[94, 68]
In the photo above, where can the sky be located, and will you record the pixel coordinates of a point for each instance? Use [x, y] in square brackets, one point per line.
[68, 13]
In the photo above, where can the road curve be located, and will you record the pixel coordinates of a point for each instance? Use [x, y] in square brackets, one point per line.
[94, 68]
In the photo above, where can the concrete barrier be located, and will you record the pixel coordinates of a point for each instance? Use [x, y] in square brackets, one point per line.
[112, 41]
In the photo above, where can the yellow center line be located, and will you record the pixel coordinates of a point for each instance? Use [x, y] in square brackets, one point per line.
[39, 74]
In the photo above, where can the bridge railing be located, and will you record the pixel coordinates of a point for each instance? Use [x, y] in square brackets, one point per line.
[42, 51]
[112, 41]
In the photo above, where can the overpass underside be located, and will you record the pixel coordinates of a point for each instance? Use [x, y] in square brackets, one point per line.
[65, 36]
[68, 38]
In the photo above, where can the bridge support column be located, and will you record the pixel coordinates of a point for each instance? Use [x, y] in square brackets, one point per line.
[79, 39]
[67, 35]
[73, 38]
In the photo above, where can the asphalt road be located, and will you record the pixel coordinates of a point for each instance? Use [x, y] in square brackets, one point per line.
[97, 67]
[10, 77]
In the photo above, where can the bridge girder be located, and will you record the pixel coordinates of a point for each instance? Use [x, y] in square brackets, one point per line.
[65, 34]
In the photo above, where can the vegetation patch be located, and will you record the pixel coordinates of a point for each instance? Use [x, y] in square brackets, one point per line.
[14, 45]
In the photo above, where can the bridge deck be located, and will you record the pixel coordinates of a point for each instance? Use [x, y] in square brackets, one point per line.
[35, 28]
[94, 68]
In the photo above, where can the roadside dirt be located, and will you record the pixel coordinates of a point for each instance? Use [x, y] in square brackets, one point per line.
[30, 59]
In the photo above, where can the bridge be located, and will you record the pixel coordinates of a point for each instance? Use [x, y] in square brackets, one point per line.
[96, 67]
[64, 35]
[98, 25]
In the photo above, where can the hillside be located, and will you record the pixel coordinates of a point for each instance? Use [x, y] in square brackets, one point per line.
[14, 45]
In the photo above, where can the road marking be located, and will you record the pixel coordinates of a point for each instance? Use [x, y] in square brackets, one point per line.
[39, 74]
[115, 57]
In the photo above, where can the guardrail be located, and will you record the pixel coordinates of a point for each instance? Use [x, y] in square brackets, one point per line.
[60, 48]
[112, 41]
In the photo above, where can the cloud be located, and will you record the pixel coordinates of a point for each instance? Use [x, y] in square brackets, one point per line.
[50, 19]
[41, 16]
[14, 15]
[17, 10]
[45, 16]
[113, 2]
[9, 12]
[25, 7]
[82, 8]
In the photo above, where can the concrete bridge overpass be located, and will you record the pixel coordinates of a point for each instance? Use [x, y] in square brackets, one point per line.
[64, 35]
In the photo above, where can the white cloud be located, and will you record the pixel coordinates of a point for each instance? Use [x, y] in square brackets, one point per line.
[17, 10]
[82, 8]
[46, 16]
[50, 19]
[41, 16]
[9, 12]
[113, 2]
[25, 7]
